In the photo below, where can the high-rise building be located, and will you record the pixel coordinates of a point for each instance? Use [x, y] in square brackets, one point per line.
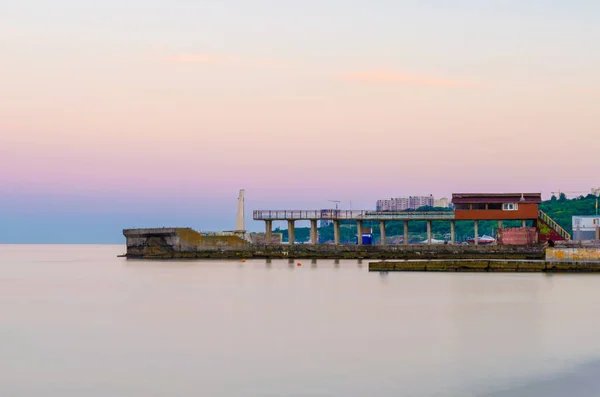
[404, 203]
[444, 202]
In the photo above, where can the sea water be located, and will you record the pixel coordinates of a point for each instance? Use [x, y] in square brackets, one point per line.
[79, 321]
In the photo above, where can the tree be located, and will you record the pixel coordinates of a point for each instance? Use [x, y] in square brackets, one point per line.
[563, 198]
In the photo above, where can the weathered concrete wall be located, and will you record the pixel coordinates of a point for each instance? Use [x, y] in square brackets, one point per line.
[261, 238]
[191, 240]
[517, 236]
[169, 241]
[573, 254]
[153, 241]
[485, 265]
[307, 251]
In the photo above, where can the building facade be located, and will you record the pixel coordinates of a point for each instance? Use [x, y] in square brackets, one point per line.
[496, 206]
[585, 227]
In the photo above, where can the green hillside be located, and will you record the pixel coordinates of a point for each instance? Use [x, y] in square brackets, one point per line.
[562, 209]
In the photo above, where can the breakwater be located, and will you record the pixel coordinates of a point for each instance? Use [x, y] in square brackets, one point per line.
[350, 252]
[486, 265]
[185, 243]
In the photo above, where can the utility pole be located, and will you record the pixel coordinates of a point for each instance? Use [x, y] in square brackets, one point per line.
[596, 192]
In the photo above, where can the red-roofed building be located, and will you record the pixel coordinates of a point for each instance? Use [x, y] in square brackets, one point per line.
[496, 206]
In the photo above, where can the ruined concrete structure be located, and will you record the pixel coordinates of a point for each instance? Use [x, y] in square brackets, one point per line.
[161, 241]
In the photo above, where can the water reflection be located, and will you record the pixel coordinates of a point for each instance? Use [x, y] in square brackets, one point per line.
[211, 327]
[581, 380]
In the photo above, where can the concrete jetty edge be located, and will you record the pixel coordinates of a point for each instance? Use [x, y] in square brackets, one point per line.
[486, 265]
[346, 252]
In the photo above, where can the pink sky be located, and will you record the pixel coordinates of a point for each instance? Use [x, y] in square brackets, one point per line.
[350, 111]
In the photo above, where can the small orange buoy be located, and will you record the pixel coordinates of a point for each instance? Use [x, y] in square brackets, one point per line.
[243, 260]
[298, 264]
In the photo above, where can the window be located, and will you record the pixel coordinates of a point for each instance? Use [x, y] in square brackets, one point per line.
[510, 206]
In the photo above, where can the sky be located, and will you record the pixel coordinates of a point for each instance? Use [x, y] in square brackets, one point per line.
[131, 113]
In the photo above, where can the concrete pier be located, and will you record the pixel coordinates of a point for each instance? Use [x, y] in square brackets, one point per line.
[382, 231]
[185, 243]
[359, 232]
[476, 232]
[336, 232]
[314, 234]
[523, 223]
[405, 232]
[452, 232]
[428, 232]
[291, 231]
[268, 230]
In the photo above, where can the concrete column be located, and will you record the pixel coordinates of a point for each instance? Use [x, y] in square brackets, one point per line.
[359, 232]
[268, 232]
[382, 231]
[314, 233]
[452, 232]
[336, 232]
[476, 232]
[597, 232]
[523, 224]
[499, 227]
[429, 232]
[291, 231]
[405, 232]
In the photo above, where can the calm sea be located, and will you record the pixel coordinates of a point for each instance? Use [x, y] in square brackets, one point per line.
[78, 321]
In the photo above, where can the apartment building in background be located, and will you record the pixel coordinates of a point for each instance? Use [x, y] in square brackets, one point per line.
[444, 202]
[404, 203]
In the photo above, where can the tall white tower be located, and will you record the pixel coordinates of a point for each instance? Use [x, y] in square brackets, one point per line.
[239, 221]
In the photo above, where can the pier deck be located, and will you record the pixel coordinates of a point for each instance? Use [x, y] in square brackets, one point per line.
[291, 216]
[297, 215]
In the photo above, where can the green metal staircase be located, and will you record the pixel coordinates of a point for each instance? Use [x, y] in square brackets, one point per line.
[555, 227]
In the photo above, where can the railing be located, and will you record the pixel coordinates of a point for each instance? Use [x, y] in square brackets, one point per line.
[420, 215]
[555, 226]
[347, 214]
